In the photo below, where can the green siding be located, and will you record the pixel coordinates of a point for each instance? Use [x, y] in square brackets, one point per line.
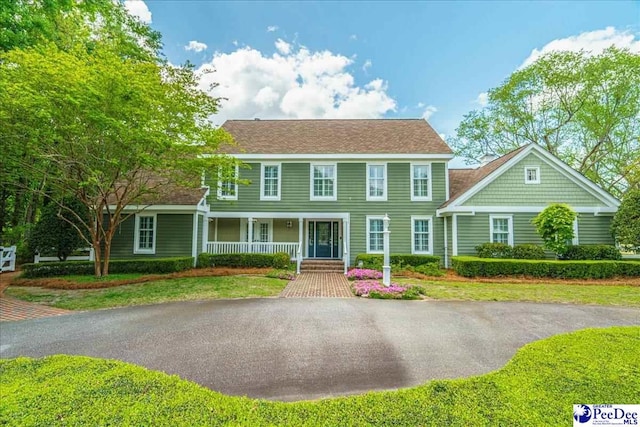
[509, 189]
[351, 198]
[594, 230]
[173, 237]
[283, 234]
[228, 230]
[199, 235]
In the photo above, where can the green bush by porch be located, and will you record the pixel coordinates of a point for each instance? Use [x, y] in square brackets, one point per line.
[279, 260]
[492, 267]
[537, 387]
[374, 261]
[144, 266]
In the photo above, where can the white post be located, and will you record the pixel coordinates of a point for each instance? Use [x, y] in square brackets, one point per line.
[386, 268]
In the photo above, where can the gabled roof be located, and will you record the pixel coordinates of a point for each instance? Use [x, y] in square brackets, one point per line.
[362, 136]
[464, 183]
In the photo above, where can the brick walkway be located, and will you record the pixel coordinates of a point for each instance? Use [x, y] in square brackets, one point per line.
[318, 285]
[13, 309]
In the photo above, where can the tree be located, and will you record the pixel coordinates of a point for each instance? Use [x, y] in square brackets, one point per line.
[107, 130]
[57, 229]
[555, 226]
[583, 109]
[626, 223]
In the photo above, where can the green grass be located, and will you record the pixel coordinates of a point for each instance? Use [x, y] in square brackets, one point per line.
[546, 293]
[179, 289]
[536, 388]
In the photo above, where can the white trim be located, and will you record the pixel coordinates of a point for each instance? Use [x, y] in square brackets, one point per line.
[454, 235]
[526, 174]
[136, 235]
[446, 244]
[194, 238]
[576, 239]
[429, 197]
[521, 209]
[382, 198]
[413, 231]
[164, 208]
[446, 181]
[308, 215]
[262, 166]
[345, 156]
[219, 189]
[553, 161]
[205, 233]
[332, 198]
[368, 230]
[509, 223]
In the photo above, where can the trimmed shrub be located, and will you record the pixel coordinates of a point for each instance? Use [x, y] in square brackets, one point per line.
[143, 266]
[494, 250]
[487, 267]
[279, 260]
[592, 252]
[374, 261]
[432, 269]
[527, 251]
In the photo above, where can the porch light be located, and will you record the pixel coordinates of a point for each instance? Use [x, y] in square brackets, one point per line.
[289, 224]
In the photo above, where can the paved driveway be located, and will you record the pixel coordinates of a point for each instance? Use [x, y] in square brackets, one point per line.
[291, 349]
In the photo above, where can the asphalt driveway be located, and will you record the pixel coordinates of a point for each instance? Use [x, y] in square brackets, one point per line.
[292, 349]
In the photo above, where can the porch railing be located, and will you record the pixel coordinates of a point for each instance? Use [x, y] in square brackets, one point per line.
[254, 247]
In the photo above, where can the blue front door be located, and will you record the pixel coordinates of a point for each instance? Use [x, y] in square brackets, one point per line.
[323, 239]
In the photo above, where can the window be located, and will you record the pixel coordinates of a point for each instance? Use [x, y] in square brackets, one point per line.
[262, 230]
[422, 232]
[376, 182]
[501, 229]
[421, 182]
[145, 234]
[375, 237]
[227, 184]
[532, 175]
[270, 181]
[323, 182]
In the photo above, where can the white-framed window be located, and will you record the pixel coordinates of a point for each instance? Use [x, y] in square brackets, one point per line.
[421, 235]
[377, 181]
[421, 181]
[324, 181]
[532, 175]
[501, 229]
[575, 240]
[375, 237]
[262, 230]
[270, 181]
[228, 188]
[145, 234]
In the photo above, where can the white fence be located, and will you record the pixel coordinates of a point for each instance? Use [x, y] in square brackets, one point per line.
[7, 258]
[253, 247]
[89, 257]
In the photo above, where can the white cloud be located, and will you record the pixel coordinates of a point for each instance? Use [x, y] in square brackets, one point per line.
[196, 46]
[283, 47]
[292, 83]
[593, 42]
[367, 65]
[272, 28]
[420, 104]
[482, 99]
[139, 9]
[428, 112]
[353, 37]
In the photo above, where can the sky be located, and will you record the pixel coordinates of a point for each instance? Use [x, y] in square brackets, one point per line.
[433, 60]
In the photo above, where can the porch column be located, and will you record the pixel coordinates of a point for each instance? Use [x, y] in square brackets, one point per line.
[250, 233]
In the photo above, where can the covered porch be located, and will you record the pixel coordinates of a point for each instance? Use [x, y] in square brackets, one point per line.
[309, 236]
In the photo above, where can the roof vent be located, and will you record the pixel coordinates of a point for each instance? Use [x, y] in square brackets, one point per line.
[487, 158]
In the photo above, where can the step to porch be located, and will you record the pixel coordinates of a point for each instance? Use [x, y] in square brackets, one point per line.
[322, 266]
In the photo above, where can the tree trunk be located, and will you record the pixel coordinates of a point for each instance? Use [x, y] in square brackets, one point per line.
[107, 255]
[97, 258]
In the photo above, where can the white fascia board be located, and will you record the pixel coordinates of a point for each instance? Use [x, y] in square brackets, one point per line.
[285, 215]
[340, 157]
[518, 209]
[157, 208]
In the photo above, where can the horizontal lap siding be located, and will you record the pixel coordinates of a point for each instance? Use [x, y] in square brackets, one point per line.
[201, 221]
[351, 198]
[594, 230]
[173, 237]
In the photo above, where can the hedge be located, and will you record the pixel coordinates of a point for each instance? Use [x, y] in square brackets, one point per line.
[502, 250]
[278, 260]
[145, 266]
[374, 261]
[592, 252]
[492, 267]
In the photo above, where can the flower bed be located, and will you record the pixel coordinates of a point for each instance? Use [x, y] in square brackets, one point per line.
[375, 289]
[363, 274]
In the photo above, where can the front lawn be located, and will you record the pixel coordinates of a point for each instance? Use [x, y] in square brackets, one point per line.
[537, 387]
[178, 289]
[535, 292]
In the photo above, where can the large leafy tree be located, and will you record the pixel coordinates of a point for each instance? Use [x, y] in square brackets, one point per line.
[583, 109]
[555, 226]
[626, 223]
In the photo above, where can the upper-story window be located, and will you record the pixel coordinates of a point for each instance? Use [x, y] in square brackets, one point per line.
[532, 175]
[376, 181]
[228, 184]
[145, 234]
[270, 181]
[421, 181]
[324, 181]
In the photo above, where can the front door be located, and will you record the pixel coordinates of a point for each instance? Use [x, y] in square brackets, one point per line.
[323, 239]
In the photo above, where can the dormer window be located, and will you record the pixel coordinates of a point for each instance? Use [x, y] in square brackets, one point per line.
[532, 175]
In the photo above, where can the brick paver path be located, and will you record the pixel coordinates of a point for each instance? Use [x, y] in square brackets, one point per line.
[318, 285]
[13, 309]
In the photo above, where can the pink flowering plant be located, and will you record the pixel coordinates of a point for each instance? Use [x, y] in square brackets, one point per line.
[364, 274]
[375, 289]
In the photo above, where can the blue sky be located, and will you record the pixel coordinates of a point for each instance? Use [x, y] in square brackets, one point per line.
[375, 59]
